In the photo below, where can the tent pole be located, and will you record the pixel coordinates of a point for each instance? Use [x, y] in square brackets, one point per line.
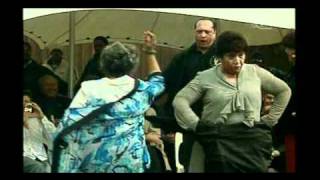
[72, 50]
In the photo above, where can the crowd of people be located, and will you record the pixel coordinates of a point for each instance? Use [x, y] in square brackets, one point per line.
[113, 124]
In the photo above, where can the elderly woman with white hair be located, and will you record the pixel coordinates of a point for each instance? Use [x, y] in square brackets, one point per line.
[110, 137]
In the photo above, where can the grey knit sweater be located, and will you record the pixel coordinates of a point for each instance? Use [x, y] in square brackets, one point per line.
[228, 104]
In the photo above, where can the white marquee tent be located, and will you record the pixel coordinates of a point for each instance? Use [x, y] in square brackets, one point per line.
[174, 27]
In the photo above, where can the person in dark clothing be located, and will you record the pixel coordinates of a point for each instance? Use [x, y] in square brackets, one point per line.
[259, 59]
[52, 104]
[287, 126]
[182, 69]
[278, 161]
[32, 71]
[91, 71]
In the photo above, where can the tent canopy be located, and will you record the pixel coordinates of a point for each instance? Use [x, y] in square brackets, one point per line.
[173, 30]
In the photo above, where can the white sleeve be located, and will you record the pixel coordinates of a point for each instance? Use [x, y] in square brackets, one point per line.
[48, 125]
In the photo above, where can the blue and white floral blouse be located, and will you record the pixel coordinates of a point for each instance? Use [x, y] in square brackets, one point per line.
[114, 141]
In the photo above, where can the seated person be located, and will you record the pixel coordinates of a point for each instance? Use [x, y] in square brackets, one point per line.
[156, 117]
[60, 66]
[159, 159]
[52, 103]
[32, 71]
[37, 138]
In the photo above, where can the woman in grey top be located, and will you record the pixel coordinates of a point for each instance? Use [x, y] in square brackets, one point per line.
[234, 137]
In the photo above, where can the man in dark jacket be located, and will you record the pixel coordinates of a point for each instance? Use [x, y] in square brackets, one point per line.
[182, 69]
[91, 71]
[286, 129]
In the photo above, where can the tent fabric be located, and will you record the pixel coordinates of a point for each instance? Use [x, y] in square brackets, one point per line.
[127, 25]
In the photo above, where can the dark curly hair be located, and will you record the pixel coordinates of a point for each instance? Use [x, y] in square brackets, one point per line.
[289, 40]
[117, 60]
[101, 38]
[230, 41]
[56, 50]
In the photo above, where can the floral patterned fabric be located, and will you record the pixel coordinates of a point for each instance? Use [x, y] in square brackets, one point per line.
[114, 141]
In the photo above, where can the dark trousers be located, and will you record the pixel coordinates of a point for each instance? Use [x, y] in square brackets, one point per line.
[186, 149]
[157, 164]
[170, 151]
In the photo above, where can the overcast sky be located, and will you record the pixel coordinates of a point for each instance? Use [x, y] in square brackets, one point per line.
[278, 17]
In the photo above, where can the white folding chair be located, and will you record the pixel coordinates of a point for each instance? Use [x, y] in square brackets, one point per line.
[178, 141]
